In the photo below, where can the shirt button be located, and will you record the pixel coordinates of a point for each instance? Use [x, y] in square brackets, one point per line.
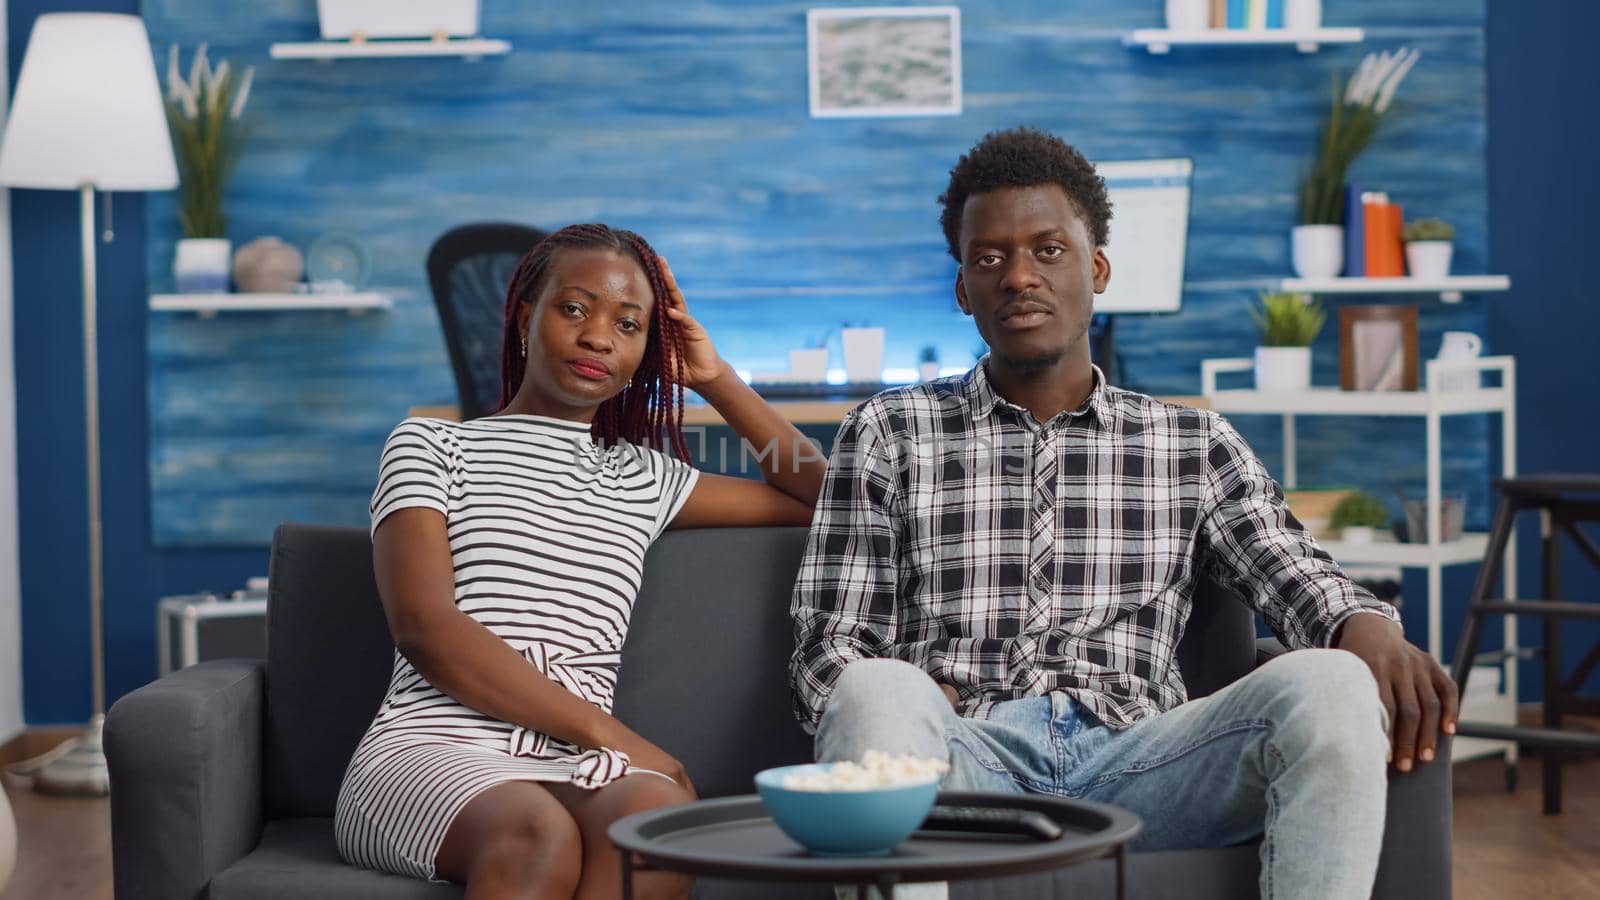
[1041, 583]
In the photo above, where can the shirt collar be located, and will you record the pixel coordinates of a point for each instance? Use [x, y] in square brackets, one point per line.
[982, 399]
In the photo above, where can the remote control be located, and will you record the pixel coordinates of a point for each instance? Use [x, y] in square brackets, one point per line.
[993, 820]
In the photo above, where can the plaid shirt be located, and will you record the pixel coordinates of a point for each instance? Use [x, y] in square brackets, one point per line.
[1010, 559]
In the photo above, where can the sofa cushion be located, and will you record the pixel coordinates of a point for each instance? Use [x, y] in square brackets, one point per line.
[704, 670]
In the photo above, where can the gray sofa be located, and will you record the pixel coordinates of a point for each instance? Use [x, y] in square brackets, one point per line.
[224, 774]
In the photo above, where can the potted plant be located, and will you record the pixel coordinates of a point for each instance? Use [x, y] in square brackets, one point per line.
[1357, 516]
[1317, 243]
[205, 112]
[1428, 247]
[928, 363]
[1288, 323]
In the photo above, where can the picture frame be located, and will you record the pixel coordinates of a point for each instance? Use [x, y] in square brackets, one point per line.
[1378, 348]
[884, 61]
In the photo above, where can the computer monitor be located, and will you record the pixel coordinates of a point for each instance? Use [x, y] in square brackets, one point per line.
[1149, 234]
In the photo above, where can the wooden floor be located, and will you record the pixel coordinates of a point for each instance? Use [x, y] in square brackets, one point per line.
[1504, 846]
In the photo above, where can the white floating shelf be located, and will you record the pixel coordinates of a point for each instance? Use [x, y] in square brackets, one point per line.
[1332, 401]
[471, 48]
[1159, 40]
[1449, 289]
[1469, 548]
[208, 305]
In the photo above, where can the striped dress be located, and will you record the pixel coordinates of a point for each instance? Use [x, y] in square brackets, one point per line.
[548, 532]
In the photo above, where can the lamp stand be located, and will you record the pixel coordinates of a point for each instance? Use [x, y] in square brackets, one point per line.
[82, 769]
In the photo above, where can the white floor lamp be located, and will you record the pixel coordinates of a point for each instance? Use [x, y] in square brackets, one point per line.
[87, 116]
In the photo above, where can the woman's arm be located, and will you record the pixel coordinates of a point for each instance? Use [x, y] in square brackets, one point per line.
[791, 466]
[470, 663]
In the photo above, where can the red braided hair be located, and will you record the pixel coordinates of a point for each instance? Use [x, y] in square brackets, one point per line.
[648, 411]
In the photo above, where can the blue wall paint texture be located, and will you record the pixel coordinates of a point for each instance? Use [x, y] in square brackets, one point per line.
[689, 123]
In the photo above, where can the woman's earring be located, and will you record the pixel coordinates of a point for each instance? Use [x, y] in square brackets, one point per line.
[524, 347]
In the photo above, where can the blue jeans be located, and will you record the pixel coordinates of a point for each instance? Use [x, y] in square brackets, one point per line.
[1293, 753]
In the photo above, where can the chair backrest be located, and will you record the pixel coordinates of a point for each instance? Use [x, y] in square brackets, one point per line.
[468, 269]
[704, 670]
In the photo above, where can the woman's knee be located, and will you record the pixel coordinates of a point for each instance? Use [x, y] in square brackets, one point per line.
[639, 793]
[518, 834]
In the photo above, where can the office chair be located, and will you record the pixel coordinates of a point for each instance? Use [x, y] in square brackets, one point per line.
[468, 270]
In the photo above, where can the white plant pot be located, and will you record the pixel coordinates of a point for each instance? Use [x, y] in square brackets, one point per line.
[1188, 15]
[928, 371]
[1283, 368]
[1317, 250]
[1429, 259]
[863, 354]
[201, 265]
[388, 19]
[809, 365]
[1302, 15]
[1356, 534]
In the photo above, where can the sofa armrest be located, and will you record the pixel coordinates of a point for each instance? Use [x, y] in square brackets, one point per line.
[185, 759]
[1415, 863]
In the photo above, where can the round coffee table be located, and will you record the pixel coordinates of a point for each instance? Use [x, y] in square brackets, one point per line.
[733, 837]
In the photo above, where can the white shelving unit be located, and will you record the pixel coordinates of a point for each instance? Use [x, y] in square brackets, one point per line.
[208, 305]
[1159, 41]
[471, 48]
[1432, 405]
[1449, 289]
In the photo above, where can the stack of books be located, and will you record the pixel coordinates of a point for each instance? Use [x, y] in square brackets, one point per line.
[1255, 15]
[1372, 242]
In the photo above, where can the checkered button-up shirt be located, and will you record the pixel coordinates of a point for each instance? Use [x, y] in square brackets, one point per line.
[1009, 559]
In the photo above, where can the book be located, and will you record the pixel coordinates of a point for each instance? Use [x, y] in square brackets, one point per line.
[1275, 13]
[1219, 13]
[1255, 15]
[1236, 13]
[1355, 236]
[1385, 258]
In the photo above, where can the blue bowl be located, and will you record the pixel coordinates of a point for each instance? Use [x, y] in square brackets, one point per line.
[845, 823]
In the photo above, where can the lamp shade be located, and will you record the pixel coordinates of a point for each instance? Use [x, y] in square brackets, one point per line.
[88, 109]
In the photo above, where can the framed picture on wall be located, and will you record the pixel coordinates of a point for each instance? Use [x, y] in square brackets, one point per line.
[1378, 348]
[884, 61]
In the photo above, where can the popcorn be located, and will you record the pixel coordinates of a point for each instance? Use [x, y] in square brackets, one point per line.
[877, 769]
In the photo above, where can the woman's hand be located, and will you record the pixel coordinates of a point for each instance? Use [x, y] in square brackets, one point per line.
[701, 364]
[644, 755]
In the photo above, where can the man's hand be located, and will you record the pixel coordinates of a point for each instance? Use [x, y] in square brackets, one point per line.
[1419, 697]
[951, 695]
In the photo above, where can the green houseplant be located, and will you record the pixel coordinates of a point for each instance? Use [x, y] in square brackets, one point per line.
[1357, 515]
[1287, 323]
[1357, 109]
[1429, 246]
[205, 112]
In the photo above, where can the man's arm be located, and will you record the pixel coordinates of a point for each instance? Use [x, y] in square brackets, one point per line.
[844, 596]
[1309, 602]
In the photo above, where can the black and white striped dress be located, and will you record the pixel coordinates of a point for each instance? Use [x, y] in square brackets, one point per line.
[548, 532]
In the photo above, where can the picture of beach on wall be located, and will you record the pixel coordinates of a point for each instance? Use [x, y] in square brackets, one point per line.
[885, 61]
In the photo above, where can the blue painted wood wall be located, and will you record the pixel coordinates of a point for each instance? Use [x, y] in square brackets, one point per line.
[688, 122]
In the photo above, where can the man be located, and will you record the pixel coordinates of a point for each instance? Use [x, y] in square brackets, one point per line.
[1002, 563]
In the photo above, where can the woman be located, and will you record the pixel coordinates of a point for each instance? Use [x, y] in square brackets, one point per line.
[509, 551]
